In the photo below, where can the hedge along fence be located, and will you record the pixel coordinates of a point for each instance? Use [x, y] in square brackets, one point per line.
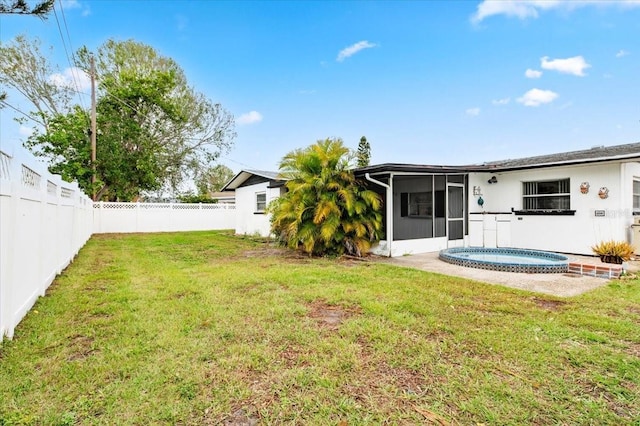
[44, 222]
[161, 217]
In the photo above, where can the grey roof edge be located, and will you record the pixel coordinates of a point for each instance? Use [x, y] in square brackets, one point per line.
[409, 168]
[243, 175]
[592, 155]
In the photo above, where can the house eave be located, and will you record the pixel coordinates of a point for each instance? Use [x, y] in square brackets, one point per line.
[243, 175]
[395, 168]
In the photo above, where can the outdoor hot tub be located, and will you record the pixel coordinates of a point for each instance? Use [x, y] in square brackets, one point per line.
[506, 259]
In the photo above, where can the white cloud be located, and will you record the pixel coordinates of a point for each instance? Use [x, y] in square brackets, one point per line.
[537, 97]
[621, 53]
[529, 73]
[73, 78]
[249, 118]
[353, 49]
[524, 9]
[503, 101]
[473, 112]
[575, 65]
[75, 4]
[307, 92]
[71, 4]
[25, 131]
[520, 9]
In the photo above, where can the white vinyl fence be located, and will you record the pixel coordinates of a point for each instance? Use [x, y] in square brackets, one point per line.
[161, 217]
[44, 222]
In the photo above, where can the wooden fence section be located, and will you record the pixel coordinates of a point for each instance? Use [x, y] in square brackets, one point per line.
[112, 217]
[44, 222]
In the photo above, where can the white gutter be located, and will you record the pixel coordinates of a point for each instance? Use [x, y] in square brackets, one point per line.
[370, 179]
[388, 206]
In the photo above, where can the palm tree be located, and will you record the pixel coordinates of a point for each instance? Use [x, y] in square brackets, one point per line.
[326, 210]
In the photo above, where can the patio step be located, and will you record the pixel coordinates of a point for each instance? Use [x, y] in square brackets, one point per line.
[600, 271]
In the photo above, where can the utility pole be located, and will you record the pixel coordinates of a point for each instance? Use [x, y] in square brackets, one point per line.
[93, 128]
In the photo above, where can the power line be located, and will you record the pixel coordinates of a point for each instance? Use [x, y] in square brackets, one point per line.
[30, 117]
[238, 162]
[74, 79]
[74, 69]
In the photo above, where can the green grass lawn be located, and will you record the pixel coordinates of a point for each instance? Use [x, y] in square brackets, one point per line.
[209, 328]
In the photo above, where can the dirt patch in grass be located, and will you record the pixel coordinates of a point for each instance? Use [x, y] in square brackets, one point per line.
[329, 316]
[551, 305]
[633, 310]
[599, 393]
[406, 380]
[270, 251]
[352, 261]
[245, 416]
[292, 357]
[387, 387]
[183, 294]
[265, 252]
[81, 348]
[633, 349]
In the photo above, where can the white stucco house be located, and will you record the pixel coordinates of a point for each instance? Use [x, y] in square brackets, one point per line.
[565, 202]
[254, 189]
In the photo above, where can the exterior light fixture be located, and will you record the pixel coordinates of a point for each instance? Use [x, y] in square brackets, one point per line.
[492, 180]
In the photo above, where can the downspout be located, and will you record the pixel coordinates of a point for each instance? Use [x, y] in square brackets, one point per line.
[388, 206]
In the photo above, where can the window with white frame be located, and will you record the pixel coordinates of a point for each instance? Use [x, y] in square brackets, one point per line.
[636, 195]
[261, 201]
[546, 195]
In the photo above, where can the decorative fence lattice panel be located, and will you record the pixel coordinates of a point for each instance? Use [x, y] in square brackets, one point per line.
[30, 178]
[4, 166]
[111, 217]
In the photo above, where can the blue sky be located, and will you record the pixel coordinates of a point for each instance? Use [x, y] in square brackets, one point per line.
[426, 82]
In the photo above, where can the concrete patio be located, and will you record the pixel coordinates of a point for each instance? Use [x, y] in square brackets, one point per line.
[563, 285]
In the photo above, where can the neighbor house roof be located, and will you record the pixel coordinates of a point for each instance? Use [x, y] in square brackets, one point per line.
[244, 175]
[628, 152]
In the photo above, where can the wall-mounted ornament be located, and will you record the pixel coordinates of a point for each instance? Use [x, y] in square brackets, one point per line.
[480, 201]
[603, 192]
[584, 187]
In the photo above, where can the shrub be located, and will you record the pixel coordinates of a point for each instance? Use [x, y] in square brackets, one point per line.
[194, 199]
[614, 249]
[326, 210]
